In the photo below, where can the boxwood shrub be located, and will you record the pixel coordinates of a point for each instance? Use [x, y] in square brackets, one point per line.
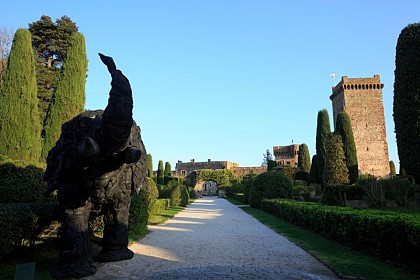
[271, 184]
[390, 235]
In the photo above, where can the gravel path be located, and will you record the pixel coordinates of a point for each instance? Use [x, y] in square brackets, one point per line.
[213, 239]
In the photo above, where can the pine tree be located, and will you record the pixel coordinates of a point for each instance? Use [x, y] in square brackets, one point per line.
[335, 171]
[49, 41]
[69, 98]
[149, 166]
[343, 127]
[323, 131]
[304, 159]
[19, 120]
[407, 99]
[168, 170]
[160, 175]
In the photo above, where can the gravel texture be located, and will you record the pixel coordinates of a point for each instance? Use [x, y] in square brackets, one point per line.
[213, 239]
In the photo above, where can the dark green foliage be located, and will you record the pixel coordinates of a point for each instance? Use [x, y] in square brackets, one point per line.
[24, 212]
[149, 166]
[247, 181]
[343, 127]
[185, 196]
[21, 183]
[173, 192]
[223, 178]
[139, 214]
[69, 98]
[289, 171]
[323, 130]
[268, 160]
[390, 235]
[160, 205]
[160, 176]
[304, 158]
[407, 99]
[152, 189]
[50, 42]
[302, 175]
[271, 184]
[20, 131]
[392, 169]
[335, 171]
[168, 170]
[313, 174]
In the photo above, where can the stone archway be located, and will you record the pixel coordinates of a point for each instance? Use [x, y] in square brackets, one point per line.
[206, 188]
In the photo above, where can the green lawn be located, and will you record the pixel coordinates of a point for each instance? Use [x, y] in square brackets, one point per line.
[343, 260]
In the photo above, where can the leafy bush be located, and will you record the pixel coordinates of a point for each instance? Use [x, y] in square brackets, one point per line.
[398, 190]
[373, 189]
[247, 181]
[299, 190]
[139, 215]
[185, 196]
[160, 205]
[390, 235]
[239, 197]
[272, 184]
[172, 191]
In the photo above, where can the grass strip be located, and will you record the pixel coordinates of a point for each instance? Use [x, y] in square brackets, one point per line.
[343, 260]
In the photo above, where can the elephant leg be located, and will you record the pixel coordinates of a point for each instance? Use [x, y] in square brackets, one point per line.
[75, 249]
[115, 239]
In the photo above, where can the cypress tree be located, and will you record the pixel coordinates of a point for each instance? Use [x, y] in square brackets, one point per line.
[160, 175]
[313, 174]
[343, 127]
[304, 160]
[407, 99]
[168, 170]
[69, 98]
[149, 166]
[335, 171]
[20, 129]
[392, 169]
[323, 131]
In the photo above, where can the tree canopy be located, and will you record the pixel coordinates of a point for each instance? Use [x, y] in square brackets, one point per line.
[20, 132]
[407, 99]
[223, 178]
[323, 131]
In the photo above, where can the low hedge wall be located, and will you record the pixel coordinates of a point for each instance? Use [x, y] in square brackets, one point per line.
[160, 205]
[392, 236]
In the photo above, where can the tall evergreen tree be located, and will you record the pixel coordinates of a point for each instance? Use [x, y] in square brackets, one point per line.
[19, 120]
[168, 169]
[313, 174]
[335, 171]
[69, 98]
[304, 159]
[160, 174]
[407, 99]
[149, 166]
[343, 127]
[49, 41]
[323, 131]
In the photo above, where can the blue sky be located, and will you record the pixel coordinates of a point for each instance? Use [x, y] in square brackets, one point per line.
[228, 79]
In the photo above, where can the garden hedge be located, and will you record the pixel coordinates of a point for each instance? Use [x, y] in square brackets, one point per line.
[390, 235]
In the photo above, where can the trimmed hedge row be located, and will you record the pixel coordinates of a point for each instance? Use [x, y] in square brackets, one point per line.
[160, 205]
[390, 235]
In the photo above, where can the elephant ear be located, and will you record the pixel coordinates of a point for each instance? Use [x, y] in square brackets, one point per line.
[139, 169]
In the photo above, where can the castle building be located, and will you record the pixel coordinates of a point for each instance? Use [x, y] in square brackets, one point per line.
[286, 155]
[361, 98]
[185, 169]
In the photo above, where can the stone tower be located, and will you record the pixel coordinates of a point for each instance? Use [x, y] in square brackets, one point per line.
[361, 98]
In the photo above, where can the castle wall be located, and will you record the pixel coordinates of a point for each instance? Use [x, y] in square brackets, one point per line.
[286, 155]
[361, 98]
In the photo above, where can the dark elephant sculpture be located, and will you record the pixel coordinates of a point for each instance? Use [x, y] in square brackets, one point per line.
[96, 165]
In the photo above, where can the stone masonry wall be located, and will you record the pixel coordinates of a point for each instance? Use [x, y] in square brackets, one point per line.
[361, 98]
